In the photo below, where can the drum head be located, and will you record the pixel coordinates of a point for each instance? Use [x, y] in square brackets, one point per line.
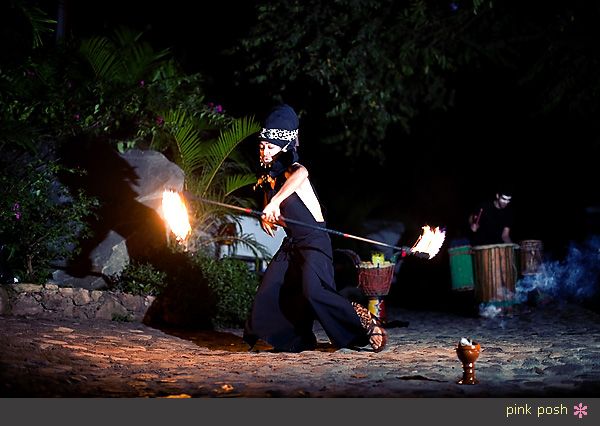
[495, 246]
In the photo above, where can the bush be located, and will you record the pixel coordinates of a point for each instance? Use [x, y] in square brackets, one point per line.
[194, 290]
[233, 286]
[140, 279]
[41, 221]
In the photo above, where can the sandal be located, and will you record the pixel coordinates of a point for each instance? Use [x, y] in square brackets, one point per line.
[371, 332]
[372, 326]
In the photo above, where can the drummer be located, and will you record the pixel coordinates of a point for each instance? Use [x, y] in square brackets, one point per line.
[492, 220]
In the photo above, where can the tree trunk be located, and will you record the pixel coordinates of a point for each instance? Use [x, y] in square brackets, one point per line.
[30, 265]
[61, 20]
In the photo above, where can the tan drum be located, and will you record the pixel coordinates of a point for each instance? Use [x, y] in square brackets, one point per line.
[531, 257]
[495, 271]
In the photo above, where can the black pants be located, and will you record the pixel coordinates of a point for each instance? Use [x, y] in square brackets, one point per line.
[297, 288]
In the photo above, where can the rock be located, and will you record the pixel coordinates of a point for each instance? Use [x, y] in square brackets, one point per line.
[26, 304]
[129, 187]
[81, 297]
[111, 309]
[55, 302]
[26, 288]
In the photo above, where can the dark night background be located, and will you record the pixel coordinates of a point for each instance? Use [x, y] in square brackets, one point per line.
[450, 161]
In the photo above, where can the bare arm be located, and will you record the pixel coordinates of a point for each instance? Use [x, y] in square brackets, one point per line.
[474, 220]
[268, 227]
[506, 235]
[474, 226]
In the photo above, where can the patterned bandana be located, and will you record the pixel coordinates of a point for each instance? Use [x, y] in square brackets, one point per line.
[281, 127]
[278, 135]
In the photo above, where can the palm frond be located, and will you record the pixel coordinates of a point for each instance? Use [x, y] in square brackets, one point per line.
[140, 58]
[187, 139]
[126, 60]
[126, 36]
[102, 56]
[228, 140]
[235, 182]
[38, 19]
[211, 171]
[165, 71]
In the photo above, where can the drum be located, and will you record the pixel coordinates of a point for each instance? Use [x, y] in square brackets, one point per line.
[461, 268]
[375, 280]
[531, 257]
[495, 272]
[357, 280]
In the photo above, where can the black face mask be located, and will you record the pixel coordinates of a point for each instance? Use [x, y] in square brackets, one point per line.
[281, 162]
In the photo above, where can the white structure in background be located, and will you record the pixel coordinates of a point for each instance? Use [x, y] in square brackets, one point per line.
[251, 225]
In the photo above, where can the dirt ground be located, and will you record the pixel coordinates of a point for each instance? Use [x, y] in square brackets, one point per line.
[548, 351]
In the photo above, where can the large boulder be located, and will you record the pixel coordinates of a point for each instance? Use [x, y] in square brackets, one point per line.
[129, 187]
[156, 174]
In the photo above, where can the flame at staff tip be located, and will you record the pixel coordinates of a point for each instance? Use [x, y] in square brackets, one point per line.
[430, 241]
[176, 215]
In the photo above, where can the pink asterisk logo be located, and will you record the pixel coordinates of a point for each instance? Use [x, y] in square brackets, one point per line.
[580, 410]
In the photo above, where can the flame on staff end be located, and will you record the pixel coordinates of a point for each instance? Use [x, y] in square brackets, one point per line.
[176, 215]
[430, 241]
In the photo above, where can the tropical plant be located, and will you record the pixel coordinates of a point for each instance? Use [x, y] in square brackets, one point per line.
[124, 58]
[122, 90]
[213, 170]
[136, 85]
[25, 25]
[124, 69]
[40, 220]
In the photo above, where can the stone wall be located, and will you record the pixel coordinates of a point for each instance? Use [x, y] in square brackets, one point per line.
[52, 301]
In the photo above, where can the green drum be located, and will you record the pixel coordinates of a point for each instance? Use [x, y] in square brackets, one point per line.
[461, 268]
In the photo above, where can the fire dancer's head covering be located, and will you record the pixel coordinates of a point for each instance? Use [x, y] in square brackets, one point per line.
[281, 129]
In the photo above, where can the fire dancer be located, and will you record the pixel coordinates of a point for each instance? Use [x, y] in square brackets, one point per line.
[492, 221]
[298, 285]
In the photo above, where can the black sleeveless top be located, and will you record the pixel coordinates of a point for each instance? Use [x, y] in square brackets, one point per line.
[301, 236]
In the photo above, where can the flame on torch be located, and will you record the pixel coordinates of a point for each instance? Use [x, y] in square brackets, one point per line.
[430, 241]
[176, 215]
